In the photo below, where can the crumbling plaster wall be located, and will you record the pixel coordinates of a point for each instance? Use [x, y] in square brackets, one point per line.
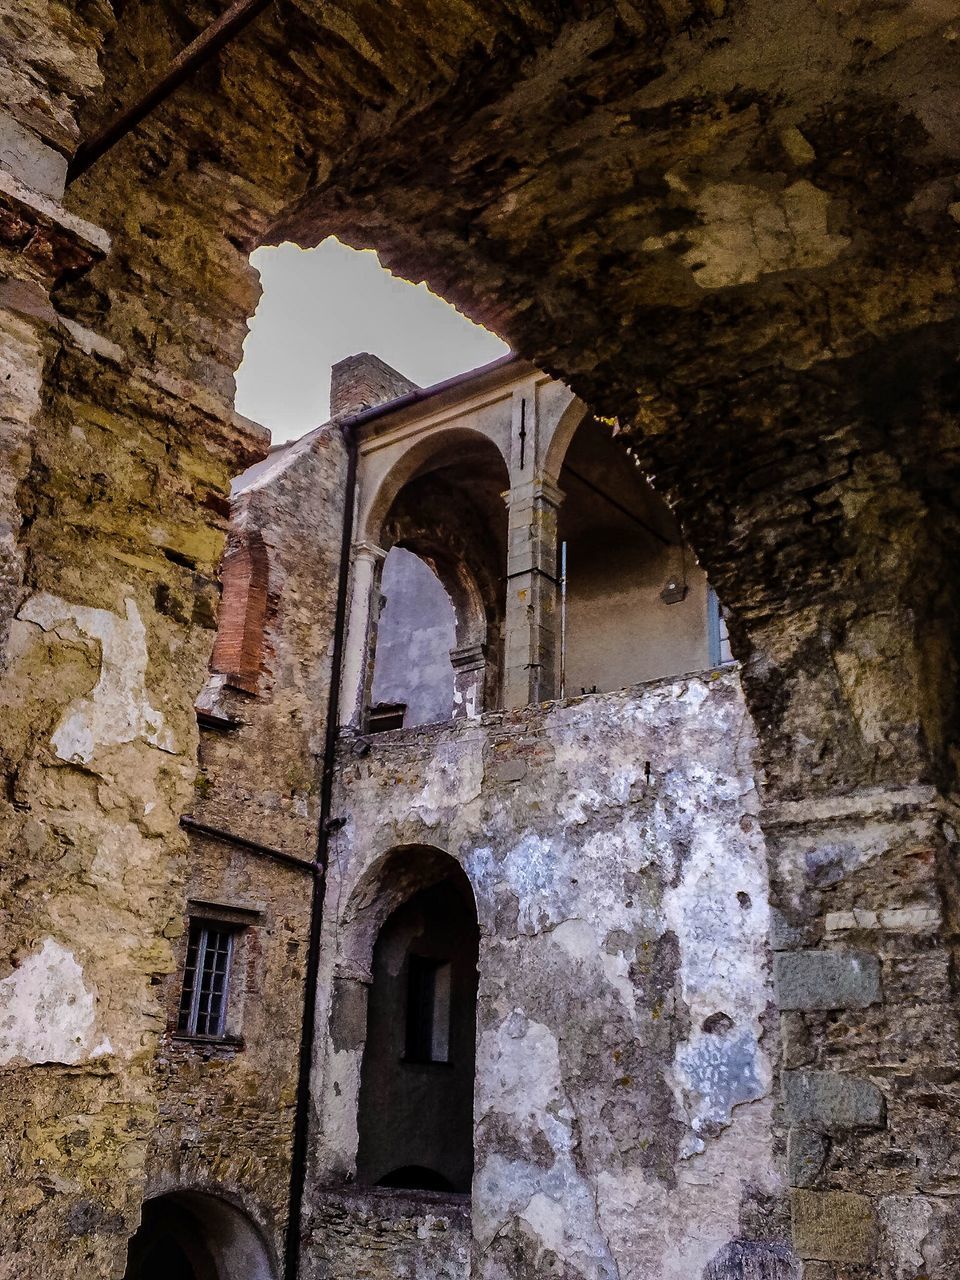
[623, 1093]
[115, 472]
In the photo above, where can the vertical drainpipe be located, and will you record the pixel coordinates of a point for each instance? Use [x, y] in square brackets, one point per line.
[298, 1160]
[563, 619]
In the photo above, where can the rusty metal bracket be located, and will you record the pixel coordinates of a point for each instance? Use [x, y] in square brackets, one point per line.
[199, 52]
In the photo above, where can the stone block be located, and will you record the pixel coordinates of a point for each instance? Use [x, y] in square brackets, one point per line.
[795, 1037]
[809, 980]
[752, 1260]
[36, 165]
[785, 936]
[507, 771]
[833, 1226]
[806, 1154]
[830, 1102]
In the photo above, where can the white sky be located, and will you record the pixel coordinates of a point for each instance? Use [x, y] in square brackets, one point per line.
[322, 304]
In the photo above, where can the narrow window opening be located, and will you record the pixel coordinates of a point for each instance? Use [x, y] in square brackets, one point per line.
[428, 1010]
[206, 980]
[413, 677]
[720, 652]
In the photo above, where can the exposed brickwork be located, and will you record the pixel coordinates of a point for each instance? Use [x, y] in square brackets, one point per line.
[362, 382]
[245, 579]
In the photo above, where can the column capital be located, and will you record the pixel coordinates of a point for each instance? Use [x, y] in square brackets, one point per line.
[540, 489]
[368, 551]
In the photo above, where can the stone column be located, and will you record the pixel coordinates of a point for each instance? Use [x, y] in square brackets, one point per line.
[531, 622]
[361, 622]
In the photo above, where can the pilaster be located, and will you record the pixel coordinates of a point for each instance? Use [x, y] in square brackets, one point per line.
[531, 622]
[361, 632]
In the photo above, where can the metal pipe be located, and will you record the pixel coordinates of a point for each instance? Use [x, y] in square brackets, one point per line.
[298, 1159]
[200, 51]
[563, 619]
[254, 846]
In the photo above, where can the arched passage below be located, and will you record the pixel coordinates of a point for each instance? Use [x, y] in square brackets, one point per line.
[191, 1235]
[403, 1001]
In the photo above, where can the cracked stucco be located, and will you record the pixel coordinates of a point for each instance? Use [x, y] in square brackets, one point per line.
[622, 1090]
[118, 709]
[47, 1011]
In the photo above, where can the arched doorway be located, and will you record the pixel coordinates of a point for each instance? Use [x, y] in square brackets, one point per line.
[189, 1235]
[637, 606]
[415, 1111]
[414, 676]
[435, 652]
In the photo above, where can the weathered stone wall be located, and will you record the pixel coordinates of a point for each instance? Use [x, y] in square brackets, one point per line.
[259, 779]
[382, 1234]
[769, 248]
[115, 473]
[623, 1096]
[227, 1113]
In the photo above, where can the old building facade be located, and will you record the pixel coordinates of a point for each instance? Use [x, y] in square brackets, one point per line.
[586, 844]
[733, 230]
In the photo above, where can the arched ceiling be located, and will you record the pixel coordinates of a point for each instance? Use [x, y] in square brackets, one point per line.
[731, 225]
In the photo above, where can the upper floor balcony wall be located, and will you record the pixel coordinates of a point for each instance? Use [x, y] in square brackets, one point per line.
[509, 551]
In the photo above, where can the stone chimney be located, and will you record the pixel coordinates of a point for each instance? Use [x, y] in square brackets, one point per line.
[364, 381]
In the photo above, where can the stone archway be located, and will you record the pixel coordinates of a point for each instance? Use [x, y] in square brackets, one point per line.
[192, 1235]
[777, 329]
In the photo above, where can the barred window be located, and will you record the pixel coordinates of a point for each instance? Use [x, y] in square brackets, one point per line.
[206, 980]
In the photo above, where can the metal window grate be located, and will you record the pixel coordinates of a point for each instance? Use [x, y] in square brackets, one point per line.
[206, 981]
